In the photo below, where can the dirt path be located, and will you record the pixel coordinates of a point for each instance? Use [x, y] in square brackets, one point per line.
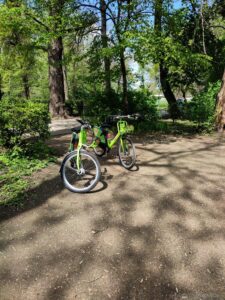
[157, 232]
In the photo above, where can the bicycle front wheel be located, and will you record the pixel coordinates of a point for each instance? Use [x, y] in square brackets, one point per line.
[80, 174]
[127, 155]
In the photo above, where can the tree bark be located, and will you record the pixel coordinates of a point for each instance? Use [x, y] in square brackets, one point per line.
[220, 108]
[1, 92]
[55, 60]
[66, 89]
[167, 92]
[56, 79]
[124, 77]
[163, 70]
[26, 86]
[104, 39]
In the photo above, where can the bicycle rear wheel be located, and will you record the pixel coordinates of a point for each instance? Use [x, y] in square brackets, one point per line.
[100, 149]
[84, 178]
[127, 155]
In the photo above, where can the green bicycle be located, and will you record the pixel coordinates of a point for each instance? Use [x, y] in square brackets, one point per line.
[80, 169]
[104, 141]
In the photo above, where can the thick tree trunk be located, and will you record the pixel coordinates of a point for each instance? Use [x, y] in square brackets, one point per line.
[26, 86]
[164, 80]
[220, 121]
[105, 46]
[56, 79]
[168, 94]
[124, 77]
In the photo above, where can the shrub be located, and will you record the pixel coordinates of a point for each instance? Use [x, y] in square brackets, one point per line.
[201, 109]
[145, 103]
[97, 105]
[20, 119]
[94, 105]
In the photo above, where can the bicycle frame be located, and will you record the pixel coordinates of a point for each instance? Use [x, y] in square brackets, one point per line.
[81, 142]
[121, 131]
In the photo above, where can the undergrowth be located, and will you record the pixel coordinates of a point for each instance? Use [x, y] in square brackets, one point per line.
[16, 167]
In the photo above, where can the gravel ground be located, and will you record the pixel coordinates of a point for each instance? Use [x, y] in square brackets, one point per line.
[156, 232]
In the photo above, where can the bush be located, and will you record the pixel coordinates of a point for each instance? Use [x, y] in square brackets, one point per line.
[20, 119]
[201, 109]
[145, 103]
[97, 105]
[94, 105]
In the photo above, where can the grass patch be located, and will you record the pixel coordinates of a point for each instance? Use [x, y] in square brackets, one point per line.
[16, 167]
[180, 127]
[162, 104]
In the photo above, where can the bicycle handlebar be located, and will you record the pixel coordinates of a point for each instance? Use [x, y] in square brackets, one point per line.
[131, 117]
[86, 124]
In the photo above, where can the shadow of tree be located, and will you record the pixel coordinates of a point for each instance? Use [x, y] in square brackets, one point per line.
[158, 233]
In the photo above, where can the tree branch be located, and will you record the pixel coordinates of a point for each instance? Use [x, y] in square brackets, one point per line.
[89, 6]
[37, 21]
[76, 30]
[217, 26]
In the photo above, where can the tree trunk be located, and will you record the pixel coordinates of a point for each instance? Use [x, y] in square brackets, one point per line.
[220, 120]
[168, 94]
[66, 89]
[165, 85]
[158, 16]
[124, 77]
[26, 86]
[105, 46]
[56, 80]
[1, 92]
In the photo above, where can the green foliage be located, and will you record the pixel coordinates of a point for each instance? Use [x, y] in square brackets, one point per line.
[201, 109]
[97, 105]
[162, 104]
[23, 64]
[185, 67]
[22, 119]
[15, 168]
[143, 102]
[27, 28]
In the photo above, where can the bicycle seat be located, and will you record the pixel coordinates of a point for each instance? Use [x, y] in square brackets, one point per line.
[76, 129]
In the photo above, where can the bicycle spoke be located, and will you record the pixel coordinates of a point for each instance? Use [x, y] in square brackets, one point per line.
[83, 177]
[127, 153]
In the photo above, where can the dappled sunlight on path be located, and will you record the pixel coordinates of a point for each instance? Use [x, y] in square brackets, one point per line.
[155, 233]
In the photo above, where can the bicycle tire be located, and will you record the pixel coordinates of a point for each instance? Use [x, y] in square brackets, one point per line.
[68, 168]
[99, 151]
[127, 156]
